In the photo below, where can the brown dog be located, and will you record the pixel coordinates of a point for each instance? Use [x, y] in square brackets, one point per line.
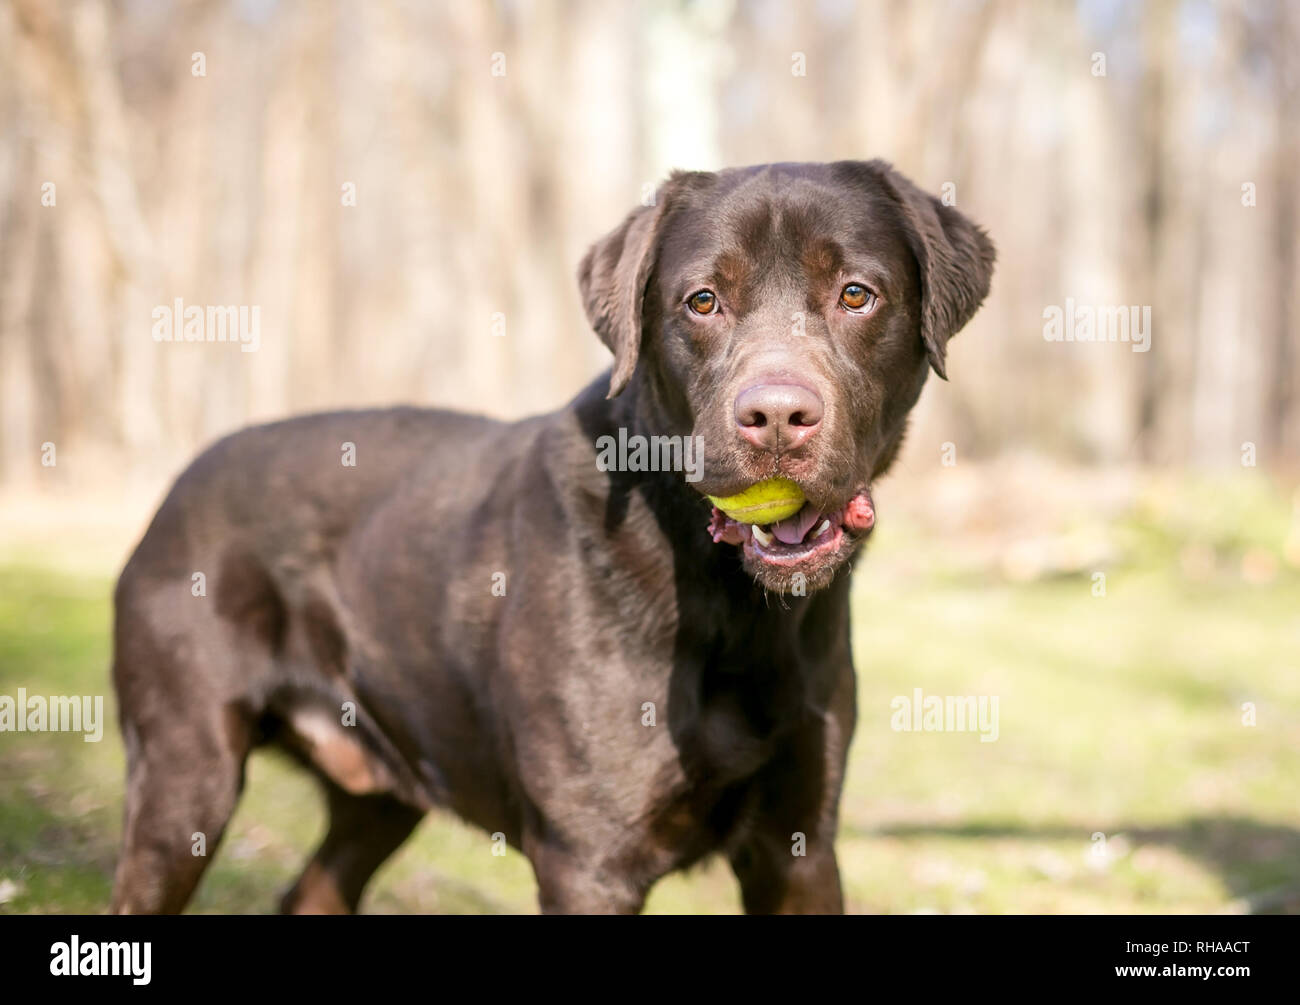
[535, 625]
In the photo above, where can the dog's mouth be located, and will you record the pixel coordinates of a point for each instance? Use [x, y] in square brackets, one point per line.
[802, 541]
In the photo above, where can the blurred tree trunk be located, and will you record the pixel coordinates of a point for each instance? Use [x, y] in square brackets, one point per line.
[1152, 130]
[1283, 371]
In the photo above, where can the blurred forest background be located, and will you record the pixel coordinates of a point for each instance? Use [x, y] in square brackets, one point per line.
[490, 143]
[1108, 540]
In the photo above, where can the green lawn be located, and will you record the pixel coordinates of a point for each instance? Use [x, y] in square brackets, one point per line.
[1119, 716]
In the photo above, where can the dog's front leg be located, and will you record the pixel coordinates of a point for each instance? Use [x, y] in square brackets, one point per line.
[572, 882]
[784, 856]
[788, 873]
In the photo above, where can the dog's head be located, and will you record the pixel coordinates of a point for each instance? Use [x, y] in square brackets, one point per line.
[788, 315]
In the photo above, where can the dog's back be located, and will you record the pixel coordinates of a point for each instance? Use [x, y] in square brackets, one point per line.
[230, 632]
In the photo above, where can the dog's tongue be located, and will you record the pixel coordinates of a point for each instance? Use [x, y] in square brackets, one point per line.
[792, 529]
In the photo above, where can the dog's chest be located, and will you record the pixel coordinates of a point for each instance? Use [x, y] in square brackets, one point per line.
[712, 779]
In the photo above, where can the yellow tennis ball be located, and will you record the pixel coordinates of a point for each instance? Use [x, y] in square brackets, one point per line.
[764, 502]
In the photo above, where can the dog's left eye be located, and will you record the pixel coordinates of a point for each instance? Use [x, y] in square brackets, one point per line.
[703, 302]
[857, 297]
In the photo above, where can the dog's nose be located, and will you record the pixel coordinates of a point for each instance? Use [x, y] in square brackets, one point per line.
[778, 416]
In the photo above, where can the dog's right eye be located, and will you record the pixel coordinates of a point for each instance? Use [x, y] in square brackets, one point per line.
[857, 297]
[703, 302]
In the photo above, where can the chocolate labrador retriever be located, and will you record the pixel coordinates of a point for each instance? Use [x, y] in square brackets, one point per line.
[538, 625]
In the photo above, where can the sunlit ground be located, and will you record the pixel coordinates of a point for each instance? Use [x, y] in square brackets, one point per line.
[1123, 778]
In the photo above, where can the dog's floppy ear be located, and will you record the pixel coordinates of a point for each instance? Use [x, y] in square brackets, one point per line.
[955, 258]
[613, 278]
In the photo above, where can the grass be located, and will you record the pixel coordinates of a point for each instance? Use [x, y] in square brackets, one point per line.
[1123, 778]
